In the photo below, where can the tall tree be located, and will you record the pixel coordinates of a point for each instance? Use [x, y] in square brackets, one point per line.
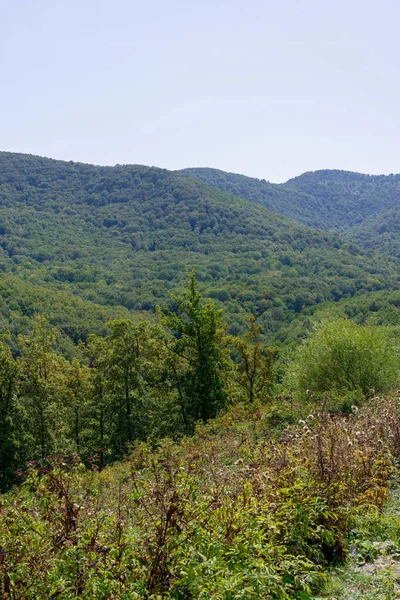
[10, 417]
[197, 331]
[127, 358]
[77, 384]
[95, 353]
[43, 384]
[253, 370]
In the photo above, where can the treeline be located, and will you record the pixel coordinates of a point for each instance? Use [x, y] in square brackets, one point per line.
[142, 381]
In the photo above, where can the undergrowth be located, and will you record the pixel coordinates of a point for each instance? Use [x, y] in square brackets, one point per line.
[235, 512]
[372, 570]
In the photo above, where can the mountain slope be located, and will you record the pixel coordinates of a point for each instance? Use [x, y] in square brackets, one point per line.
[299, 206]
[328, 199]
[380, 233]
[349, 197]
[75, 317]
[123, 236]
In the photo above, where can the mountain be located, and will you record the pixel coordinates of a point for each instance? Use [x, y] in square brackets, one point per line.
[296, 205]
[359, 206]
[380, 233]
[123, 236]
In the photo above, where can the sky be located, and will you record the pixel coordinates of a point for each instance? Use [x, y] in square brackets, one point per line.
[269, 89]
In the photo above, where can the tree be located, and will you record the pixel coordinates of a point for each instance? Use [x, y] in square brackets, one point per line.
[43, 386]
[253, 371]
[10, 418]
[77, 384]
[95, 353]
[127, 359]
[197, 332]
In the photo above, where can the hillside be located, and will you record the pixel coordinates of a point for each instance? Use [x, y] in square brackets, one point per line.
[360, 206]
[124, 235]
[76, 317]
[380, 233]
[177, 453]
[348, 198]
[295, 204]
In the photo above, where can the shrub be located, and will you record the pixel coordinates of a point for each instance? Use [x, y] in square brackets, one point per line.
[341, 357]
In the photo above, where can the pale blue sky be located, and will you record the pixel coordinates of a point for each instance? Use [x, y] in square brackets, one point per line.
[268, 89]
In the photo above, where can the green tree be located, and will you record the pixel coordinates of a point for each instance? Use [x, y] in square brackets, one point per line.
[197, 332]
[77, 385]
[43, 386]
[10, 417]
[128, 361]
[253, 370]
[95, 352]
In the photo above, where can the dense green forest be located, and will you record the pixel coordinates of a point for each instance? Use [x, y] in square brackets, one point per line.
[196, 379]
[365, 208]
[123, 236]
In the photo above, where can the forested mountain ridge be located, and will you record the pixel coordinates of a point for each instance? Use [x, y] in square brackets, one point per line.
[293, 204]
[124, 235]
[352, 203]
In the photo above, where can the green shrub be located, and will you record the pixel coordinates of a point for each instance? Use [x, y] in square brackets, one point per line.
[341, 357]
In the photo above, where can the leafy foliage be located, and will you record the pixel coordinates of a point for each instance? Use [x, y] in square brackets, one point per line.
[253, 373]
[198, 332]
[10, 417]
[231, 513]
[341, 356]
[140, 381]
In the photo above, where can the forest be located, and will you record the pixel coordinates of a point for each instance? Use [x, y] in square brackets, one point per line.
[362, 207]
[122, 237]
[198, 383]
[142, 381]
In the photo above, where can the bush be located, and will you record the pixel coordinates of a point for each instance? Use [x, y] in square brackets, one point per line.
[231, 513]
[341, 357]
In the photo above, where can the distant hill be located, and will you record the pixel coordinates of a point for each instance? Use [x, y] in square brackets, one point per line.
[123, 236]
[342, 201]
[380, 233]
[296, 205]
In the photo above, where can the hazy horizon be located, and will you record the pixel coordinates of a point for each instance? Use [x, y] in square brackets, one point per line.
[267, 90]
[191, 167]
